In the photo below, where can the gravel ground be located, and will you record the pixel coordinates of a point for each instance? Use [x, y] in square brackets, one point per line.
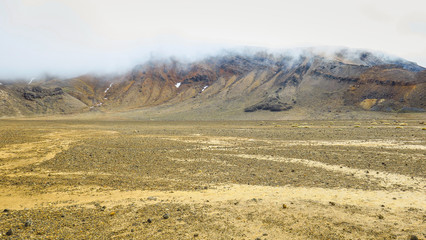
[212, 180]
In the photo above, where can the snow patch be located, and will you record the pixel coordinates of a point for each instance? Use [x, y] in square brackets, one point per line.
[106, 90]
[204, 88]
[177, 85]
[32, 79]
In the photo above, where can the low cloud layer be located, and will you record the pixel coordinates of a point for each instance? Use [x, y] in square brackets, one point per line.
[71, 37]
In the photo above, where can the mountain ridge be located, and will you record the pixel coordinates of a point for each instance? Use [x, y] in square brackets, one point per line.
[243, 83]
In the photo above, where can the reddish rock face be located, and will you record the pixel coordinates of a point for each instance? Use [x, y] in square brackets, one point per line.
[235, 83]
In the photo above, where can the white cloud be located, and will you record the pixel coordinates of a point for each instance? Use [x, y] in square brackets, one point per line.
[74, 36]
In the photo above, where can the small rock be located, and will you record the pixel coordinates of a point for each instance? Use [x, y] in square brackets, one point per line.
[10, 232]
[166, 216]
[112, 213]
[332, 203]
[265, 234]
[152, 198]
[414, 237]
[6, 210]
[284, 206]
[380, 216]
[292, 170]
[149, 220]
[280, 170]
[28, 223]
[132, 230]
[195, 234]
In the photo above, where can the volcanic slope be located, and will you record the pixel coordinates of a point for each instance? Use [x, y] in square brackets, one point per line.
[233, 84]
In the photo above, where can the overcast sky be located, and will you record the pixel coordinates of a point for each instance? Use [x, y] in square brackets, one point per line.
[72, 37]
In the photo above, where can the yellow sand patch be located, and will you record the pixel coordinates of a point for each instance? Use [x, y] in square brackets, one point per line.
[368, 103]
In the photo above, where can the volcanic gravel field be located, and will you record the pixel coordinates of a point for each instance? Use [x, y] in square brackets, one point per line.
[212, 180]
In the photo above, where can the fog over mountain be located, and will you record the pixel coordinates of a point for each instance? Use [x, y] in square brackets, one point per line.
[70, 38]
[238, 84]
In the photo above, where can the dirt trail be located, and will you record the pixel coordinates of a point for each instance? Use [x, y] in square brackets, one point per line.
[386, 179]
[248, 209]
[397, 200]
[372, 143]
[19, 155]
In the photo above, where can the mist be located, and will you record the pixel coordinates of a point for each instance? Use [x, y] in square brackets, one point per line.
[71, 61]
[73, 37]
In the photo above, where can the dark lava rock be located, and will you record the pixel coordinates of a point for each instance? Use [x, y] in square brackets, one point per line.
[6, 210]
[38, 92]
[166, 216]
[28, 223]
[272, 104]
[10, 232]
[414, 237]
[149, 220]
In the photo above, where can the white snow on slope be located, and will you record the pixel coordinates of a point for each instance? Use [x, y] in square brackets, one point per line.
[32, 79]
[106, 90]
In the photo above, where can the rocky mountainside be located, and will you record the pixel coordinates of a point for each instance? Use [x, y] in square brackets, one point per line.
[232, 83]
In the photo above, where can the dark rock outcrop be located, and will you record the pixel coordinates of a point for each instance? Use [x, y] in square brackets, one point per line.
[38, 92]
[271, 104]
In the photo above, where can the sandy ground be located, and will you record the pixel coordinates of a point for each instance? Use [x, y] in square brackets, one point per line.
[212, 180]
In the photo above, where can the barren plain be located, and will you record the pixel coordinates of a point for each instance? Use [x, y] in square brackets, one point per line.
[71, 179]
